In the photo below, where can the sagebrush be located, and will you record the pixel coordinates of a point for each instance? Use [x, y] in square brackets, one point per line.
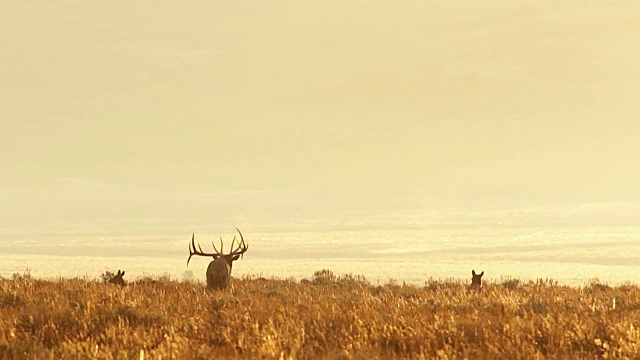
[325, 317]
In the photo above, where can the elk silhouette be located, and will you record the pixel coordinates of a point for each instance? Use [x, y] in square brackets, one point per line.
[476, 280]
[219, 270]
[117, 279]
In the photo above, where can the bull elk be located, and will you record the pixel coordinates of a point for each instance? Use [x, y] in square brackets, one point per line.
[219, 270]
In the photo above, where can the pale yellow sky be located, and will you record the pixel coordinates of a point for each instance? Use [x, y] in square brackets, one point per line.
[529, 101]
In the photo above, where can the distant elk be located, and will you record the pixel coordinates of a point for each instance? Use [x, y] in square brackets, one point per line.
[476, 280]
[117, 279]
[219, 270]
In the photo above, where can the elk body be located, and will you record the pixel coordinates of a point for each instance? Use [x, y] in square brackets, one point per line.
[476, 280]
[219, 270]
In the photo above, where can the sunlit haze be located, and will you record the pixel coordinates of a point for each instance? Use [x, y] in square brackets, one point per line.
[145, 118]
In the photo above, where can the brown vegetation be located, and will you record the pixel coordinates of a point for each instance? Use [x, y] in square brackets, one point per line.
[327, 316]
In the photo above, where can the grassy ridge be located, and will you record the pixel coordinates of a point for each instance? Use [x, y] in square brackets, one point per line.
[324, 317]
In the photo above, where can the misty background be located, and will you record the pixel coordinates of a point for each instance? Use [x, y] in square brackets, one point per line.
[122, 118]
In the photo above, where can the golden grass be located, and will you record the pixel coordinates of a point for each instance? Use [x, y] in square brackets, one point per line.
[326, 317]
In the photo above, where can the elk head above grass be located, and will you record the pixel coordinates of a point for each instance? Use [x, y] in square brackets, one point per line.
[117, 279]
[219, 270]
[476, 280]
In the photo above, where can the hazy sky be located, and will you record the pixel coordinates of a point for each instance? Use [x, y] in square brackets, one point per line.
[528, 101]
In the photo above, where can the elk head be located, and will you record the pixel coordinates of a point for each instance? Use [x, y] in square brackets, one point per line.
[117, 279]
[476, 279]
[219, 270]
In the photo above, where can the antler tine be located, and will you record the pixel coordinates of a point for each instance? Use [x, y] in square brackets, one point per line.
[193, 236]
[246, 247]
[214, 247]
[241, 238]
[189, 259]
[233, 241]
[242, 246]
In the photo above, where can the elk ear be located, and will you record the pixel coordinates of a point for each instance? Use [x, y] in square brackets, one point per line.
[473, 273]
[235, 257]
[482, 273]
[123, 273]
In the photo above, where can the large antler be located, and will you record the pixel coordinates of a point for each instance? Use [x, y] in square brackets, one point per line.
[242, 247]
[193, 251]
[240, 250]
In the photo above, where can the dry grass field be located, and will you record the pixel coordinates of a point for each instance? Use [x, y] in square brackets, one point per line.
[324, 317]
